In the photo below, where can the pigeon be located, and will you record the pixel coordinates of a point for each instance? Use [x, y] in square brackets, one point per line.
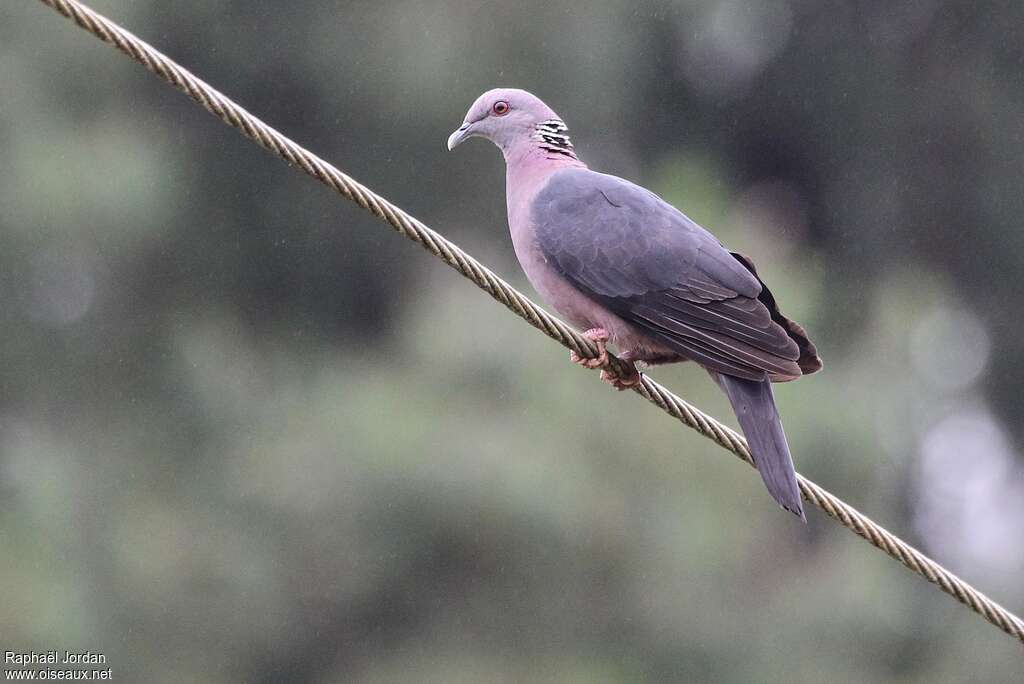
[631, 270]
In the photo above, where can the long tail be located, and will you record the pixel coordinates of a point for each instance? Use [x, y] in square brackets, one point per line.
[754, 405]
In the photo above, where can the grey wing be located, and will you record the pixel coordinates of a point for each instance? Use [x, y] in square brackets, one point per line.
[633, 253]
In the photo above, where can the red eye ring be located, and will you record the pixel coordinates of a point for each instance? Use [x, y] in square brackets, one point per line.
[500, 108]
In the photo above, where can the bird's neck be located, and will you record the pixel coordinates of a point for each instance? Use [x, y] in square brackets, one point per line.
[528, 166]
[527, 158]
[530, 161]
[548, 142]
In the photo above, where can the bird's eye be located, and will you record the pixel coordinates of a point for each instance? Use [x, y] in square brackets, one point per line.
[500, 108]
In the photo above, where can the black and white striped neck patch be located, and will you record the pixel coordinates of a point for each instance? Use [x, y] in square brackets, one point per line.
[553, 136]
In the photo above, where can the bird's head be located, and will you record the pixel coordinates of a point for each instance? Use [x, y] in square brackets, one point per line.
[507, 116]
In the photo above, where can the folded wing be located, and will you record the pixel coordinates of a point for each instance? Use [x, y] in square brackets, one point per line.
[635, 254]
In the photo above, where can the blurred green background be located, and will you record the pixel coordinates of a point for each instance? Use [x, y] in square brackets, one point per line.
[249, 434]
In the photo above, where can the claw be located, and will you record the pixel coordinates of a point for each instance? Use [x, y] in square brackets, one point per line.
[619, 382]
[599, 336]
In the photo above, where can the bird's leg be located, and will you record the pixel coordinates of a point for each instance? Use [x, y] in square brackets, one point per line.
[622, 382]
[599, 336]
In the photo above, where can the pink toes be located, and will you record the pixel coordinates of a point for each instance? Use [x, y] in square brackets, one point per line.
[599, 336]
[620, 383]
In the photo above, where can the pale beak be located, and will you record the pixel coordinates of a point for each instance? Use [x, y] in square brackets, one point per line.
[461, 133]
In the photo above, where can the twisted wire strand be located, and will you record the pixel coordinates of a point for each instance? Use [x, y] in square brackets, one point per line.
[410, 227]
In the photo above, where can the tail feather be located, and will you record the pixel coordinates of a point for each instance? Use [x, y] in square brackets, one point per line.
[754, 404]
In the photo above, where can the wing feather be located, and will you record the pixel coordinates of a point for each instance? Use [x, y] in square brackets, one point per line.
[627, 249]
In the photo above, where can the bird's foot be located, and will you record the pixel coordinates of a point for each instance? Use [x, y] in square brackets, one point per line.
[599, 336]
[619, 382]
